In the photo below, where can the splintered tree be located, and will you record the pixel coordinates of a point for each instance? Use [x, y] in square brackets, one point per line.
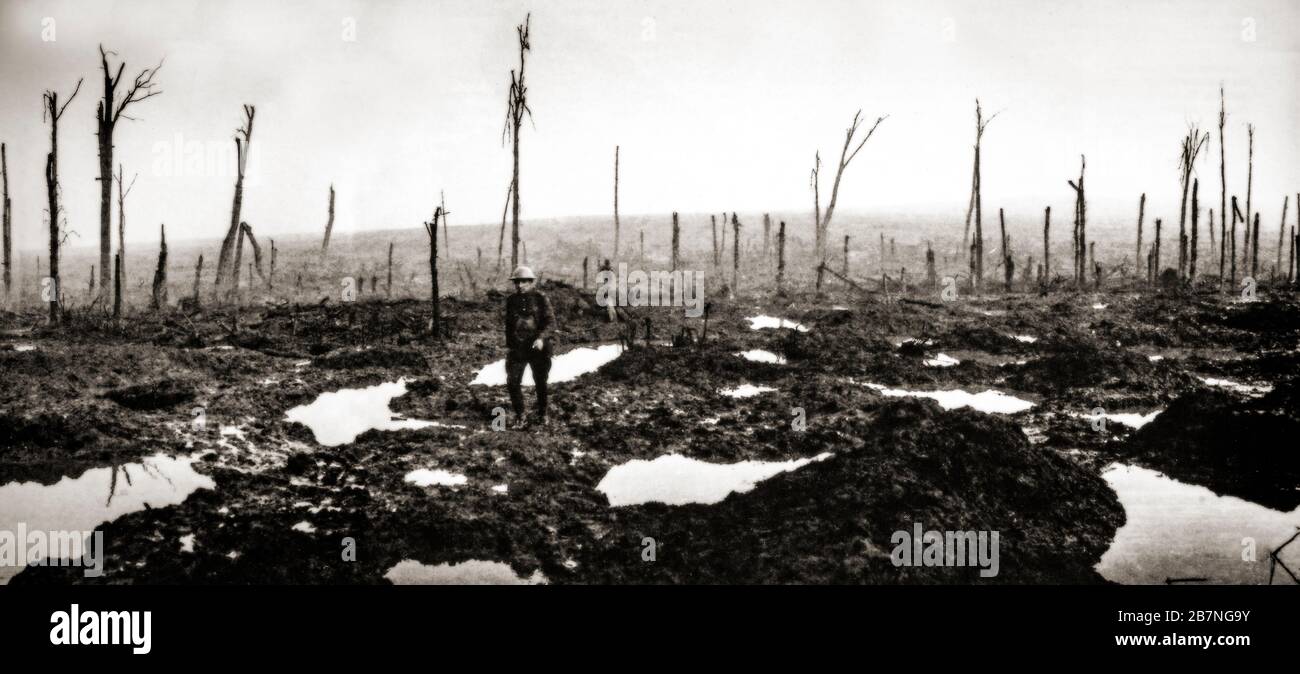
[976, 250]
[1047, 255]
[5, 215]
[1081, 227]
[501, 237]
[435, 320]
[1223, 184]
[1236, 215]
[329, 227]
[111, 110]
[122, 194]
[1191, 148]
[516, 109]
[1008, 265]
[158, 300]
[822, 221]
[1137, 254]
[1196, 211]
[616, 232]
[257, 253]
[53, 112]
[228, 278]
[1281, 234]
[780, 259]
[1250, 185]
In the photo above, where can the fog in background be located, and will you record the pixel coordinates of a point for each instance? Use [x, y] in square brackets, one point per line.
[717, 105]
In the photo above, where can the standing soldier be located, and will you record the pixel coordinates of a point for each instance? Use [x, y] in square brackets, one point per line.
[528, 342]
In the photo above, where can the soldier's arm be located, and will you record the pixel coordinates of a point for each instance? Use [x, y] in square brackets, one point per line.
[546, 316]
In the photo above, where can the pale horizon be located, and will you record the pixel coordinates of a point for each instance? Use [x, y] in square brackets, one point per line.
[716, 107]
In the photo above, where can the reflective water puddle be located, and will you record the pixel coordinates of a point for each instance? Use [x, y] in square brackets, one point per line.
[338, 417]
[564, 367]
[941, 360]
[1184, 532]
[1133, 420]
[991, 401]
[425, 477]
[761, 356]
[673, 479]
[1248, 389]
[470, 572]
[745, 391]
[97, 496]
[772, 322]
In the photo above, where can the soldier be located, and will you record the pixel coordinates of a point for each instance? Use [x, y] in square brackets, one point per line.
[529, 321]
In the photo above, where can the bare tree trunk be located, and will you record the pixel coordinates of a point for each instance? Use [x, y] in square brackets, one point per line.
[1137, 253]
[270, 279]
[1223, 188]
[1254, 254]
[735, 253]
[388, 287]
[329, 227]
[1196, 212]
[846, 255]
[767, 239]
[1236, 214]
[446, 238]
[236, 266]
[1008, 265]
[109, 113]
[713, 223]
[198, 279]
[516, 109]
[257, 254]
[159, 301]
[824, 223]
[435, 322]
[1080, 226]
[780, 258]
[1047, 254]
[228, 278]
[117, 286]
[616, 227]
[1281, 231]
[54, 111]
[676, 242]
[6, 222]
[1155, 274]
[1250, 183]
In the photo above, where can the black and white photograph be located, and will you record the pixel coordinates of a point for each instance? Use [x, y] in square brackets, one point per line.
[552, 293]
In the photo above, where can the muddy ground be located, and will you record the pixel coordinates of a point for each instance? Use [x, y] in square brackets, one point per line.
[94, 394]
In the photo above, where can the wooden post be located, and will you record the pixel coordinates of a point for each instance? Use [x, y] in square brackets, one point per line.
[1155, 273]
[584, 273]
[713, 224]
[931, 273]
[270, 279]
[6, 223]
[117, 286]
[1281, 231]
[1008, 266]
[1254, 254]
[1047, 254]
[388, 288]
[1250, 183]
[846, 255]
[767, 238]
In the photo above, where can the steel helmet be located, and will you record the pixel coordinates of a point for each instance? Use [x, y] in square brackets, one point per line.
[523, 273]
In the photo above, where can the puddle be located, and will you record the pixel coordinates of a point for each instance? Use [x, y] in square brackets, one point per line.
[338, 417]
[1027, 339]
[1099, 306]
[1133, 420]
[1182, 531]
[1249, 389]
[24, 347]
[991, 401]
[746, 391]
[761, 356]
[470, 572]
[564, 367]
[428, 478]
[673, 479]
[769, 322]
[97, 496]
[305, 527]
[941, 360]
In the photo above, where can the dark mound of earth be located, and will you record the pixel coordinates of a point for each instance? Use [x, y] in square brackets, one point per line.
[1236, 446]
[832, 521]
[152, 395]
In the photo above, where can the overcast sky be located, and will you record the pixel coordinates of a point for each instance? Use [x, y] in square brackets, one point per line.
[717, 105]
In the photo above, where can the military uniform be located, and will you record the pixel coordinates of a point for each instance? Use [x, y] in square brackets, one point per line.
[528, 318]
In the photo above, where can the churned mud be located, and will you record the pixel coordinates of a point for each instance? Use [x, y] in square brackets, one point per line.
[325, 428]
